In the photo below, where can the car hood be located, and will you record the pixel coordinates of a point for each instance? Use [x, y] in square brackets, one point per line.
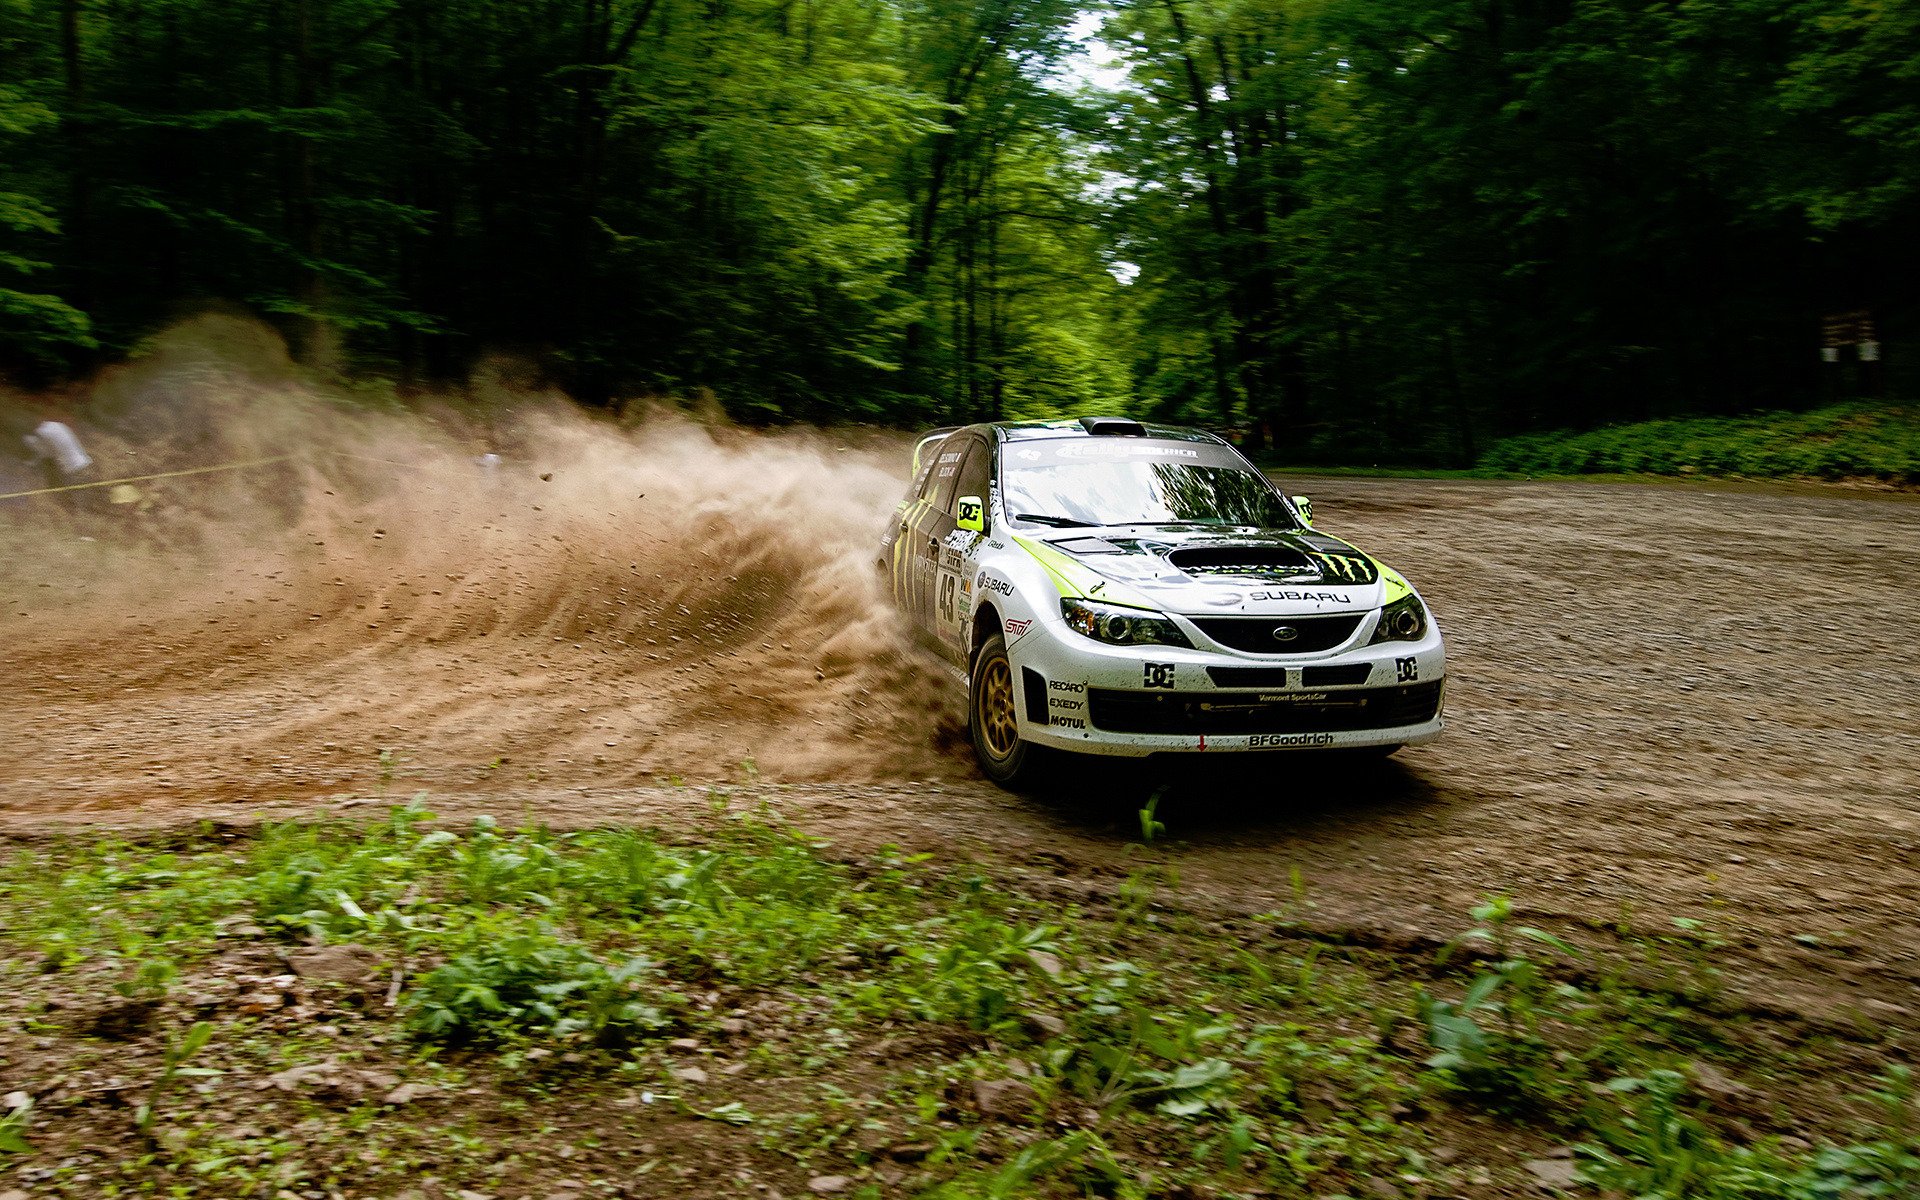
[1221, 572]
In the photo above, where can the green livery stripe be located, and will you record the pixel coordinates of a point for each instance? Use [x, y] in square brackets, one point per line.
[1396, 586]
[1350, 567]
[1341, 568]
[1073, 578]
[903, 553]
[1051, 561]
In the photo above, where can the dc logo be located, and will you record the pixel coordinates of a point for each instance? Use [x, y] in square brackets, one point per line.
[1157, 675]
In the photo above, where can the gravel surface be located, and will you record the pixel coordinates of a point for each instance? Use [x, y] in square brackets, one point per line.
[1665, 702]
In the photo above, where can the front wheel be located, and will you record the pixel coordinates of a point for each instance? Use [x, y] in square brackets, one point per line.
[1006, 757]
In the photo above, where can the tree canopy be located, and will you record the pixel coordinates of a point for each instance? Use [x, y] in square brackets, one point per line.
[1360, 229]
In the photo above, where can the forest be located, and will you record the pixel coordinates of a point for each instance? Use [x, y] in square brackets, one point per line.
[1353, 229]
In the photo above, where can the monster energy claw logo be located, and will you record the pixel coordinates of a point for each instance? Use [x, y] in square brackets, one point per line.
[1343, 566]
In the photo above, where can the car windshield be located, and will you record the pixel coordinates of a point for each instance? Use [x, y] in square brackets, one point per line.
[1078, 485]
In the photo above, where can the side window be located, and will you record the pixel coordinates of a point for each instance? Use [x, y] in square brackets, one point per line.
[946, 473]
[927, 458]
[918, 487]
[929, 462]
[974, 473]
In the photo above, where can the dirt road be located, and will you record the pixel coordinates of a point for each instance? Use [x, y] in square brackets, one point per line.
[1665, 703]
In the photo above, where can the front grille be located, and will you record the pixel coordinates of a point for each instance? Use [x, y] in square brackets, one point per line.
[1255, 635]
[1293, 712]
[1266, 677]
[1344, 675]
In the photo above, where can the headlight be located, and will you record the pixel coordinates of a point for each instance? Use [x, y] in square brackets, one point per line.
[1122, 626]
[1405, 620]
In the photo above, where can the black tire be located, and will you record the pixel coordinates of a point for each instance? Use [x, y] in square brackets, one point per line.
[992, 721]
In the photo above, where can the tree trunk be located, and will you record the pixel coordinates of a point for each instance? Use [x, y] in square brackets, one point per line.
[923, 220]
[314, 344]
[996, 315]
[78, 225]
[1249, 368]
[1462, 415]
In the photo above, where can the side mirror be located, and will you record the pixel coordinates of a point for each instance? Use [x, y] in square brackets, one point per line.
[970, 514]
[1306, 508]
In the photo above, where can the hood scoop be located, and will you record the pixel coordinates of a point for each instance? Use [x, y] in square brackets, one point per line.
[1177, 558]
[1253, 562]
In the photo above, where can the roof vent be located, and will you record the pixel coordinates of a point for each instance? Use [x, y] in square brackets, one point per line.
[1113, 427]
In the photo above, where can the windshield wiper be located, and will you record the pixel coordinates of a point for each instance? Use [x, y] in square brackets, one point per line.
[1057, 522]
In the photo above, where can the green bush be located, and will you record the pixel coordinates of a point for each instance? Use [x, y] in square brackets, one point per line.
[1850, 441]
[536, 983]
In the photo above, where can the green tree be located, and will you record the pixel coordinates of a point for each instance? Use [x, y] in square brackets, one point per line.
[35, 325]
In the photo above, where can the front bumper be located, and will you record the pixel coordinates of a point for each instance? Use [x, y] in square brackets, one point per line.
[1081, 695]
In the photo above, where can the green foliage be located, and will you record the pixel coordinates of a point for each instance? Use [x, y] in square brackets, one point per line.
[173, 1068]
[1389, 231]
[533, 983]
[1886, 1167]
[151, 979]
[1023, 1173]
[540, 934]
[843, 211]
[1853, 73]
[1151, 827]
[1661, 1152]
[973, 968]
[1372, 233]
[33, 324]
[604, 940]
[1145, 1050]
[1489, 1043]
[13, 1130]
[1160, 1064]
[1658, 1151]
[1841, 442]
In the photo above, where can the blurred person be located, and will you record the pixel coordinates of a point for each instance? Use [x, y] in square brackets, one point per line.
[55, 446]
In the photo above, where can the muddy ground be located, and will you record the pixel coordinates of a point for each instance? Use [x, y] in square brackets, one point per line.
[1665, 702]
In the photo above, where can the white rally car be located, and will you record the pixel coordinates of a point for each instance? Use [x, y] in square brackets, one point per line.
[1125, 589]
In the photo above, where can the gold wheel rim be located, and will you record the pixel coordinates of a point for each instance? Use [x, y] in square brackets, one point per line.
[997, 725]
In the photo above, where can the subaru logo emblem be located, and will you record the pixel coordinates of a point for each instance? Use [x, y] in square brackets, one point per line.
[1285, 633]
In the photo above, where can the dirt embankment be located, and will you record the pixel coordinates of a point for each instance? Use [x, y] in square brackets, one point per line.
[1665, 703]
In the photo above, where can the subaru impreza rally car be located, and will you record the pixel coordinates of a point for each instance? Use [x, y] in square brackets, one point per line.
[1125, 589]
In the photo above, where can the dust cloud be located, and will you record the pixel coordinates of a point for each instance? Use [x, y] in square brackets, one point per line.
[383, 602]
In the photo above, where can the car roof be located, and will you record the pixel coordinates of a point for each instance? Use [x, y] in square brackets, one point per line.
[1027, 431]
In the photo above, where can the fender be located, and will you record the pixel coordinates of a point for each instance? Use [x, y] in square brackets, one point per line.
[1005, 579]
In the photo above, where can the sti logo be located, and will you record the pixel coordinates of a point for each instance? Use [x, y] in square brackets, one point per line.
[1018, 628]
